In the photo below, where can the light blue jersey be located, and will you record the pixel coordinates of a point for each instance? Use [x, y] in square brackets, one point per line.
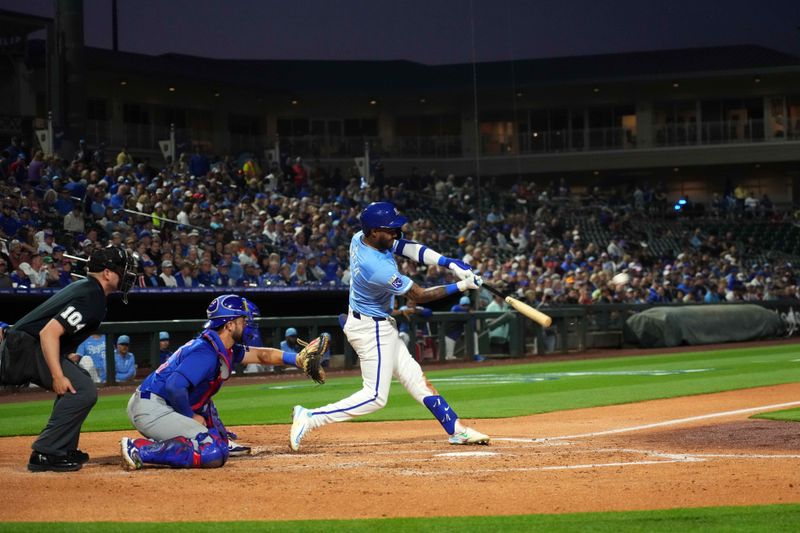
[374, 279]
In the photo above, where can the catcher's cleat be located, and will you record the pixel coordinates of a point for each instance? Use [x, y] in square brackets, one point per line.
[300, 422]
[469, 436]
[236, 450]
[130, 455]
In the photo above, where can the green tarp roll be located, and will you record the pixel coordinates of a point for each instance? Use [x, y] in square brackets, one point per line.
[701, 324]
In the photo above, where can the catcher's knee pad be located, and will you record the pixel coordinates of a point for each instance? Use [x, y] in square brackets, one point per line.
[203, 451]
[442, 411]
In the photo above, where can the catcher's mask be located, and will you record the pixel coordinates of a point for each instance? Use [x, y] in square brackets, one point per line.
[223, 309]
[251, 336]
[118, 260]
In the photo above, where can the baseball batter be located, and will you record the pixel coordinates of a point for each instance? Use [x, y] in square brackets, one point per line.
[372, 331]
[172, 407]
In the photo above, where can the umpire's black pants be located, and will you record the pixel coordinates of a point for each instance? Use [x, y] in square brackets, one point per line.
[63, 430]
[24, 363]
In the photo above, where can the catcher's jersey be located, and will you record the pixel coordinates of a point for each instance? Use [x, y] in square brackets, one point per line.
[199, 363]
[79, 307]
[374, 279]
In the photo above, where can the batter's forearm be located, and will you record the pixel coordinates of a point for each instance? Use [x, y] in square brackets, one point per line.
[430, 294]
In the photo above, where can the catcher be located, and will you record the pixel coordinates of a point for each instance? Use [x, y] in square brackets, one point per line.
[172, 407]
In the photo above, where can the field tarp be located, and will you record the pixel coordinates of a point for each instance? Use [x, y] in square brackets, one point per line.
[701, 324]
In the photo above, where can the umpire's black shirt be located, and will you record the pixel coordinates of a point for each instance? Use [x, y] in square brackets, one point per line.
[80, 307]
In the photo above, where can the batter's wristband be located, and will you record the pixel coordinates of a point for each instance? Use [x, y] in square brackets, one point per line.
[451, 289]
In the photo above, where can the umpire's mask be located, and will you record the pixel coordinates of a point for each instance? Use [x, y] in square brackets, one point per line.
[118, 260]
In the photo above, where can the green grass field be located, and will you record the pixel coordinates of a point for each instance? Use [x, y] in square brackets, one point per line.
[772, 518]
[480, 391]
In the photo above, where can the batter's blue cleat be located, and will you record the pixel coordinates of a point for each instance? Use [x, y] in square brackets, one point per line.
[300, 422]
[130, 455]
[469, 436]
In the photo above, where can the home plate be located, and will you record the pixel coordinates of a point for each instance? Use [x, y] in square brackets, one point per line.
[466, 454]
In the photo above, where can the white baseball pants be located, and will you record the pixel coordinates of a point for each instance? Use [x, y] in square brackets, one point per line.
[382, 354]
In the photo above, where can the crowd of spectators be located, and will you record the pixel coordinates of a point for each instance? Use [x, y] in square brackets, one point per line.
[203, 221]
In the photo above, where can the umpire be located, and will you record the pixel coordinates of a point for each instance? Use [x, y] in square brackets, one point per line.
[36, 348]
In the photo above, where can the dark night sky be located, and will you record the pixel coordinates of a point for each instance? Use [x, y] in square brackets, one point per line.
[431, 31]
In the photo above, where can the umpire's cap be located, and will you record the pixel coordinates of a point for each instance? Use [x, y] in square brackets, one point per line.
[291, 332]
[381, 215]
[223, 309]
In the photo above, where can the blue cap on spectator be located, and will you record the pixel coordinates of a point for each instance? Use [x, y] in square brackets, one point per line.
[144, 234]
[291, 332]
[260, 195]
[123, 339]
[222, 264]
[59, 248]
[148, 263]
[163, 336]
[464, 300]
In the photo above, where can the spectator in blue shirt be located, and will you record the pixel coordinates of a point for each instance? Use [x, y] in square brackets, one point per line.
[456, 331]
[124, 360]
[163, 347]
[199, 165]
[94, 347]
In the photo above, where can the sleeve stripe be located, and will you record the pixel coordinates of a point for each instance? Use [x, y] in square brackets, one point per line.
[399, 245]
[422, 254]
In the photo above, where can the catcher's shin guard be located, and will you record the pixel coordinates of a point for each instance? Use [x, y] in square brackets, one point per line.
[442, 411]
[206, 450]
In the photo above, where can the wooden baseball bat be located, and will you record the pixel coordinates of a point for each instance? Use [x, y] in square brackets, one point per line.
[523, 308]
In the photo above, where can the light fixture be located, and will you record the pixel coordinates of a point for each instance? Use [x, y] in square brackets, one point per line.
[675, 84]
[756, 80]
[519, 94]
[535, 133]
[295, 102]
[423, 101]
[217, 94]
[596, 90]
[373, 102]
[172, 89]
[675, 169]
[596, 172]
[123, 83]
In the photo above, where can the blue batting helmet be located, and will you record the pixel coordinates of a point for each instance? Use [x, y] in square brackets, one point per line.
[223, 309]
[381, 215]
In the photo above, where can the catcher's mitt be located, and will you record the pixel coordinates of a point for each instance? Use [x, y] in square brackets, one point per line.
[309, 360]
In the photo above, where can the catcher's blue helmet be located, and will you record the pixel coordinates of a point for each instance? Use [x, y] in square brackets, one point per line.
[251, 335]
[225, 308]
[381, 215]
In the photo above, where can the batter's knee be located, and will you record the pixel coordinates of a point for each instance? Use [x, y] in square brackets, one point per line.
[380, 402]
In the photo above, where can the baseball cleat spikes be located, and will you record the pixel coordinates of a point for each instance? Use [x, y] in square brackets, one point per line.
[469, 436]
[130, 455]
[300, 422]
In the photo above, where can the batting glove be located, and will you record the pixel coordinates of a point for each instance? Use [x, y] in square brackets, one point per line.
[461, 269]
[467, 284]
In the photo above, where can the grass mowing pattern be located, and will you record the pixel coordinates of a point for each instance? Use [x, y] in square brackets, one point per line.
[476, 392]
[771, 518]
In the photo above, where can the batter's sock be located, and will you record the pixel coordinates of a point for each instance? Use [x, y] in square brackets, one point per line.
[443, 412]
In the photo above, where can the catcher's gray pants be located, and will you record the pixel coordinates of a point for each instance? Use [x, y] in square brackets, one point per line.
[156, 420]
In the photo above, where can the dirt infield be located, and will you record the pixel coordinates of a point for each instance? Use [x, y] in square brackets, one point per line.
[682, 452]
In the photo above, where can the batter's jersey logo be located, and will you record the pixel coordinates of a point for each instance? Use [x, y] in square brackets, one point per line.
[396, 282]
